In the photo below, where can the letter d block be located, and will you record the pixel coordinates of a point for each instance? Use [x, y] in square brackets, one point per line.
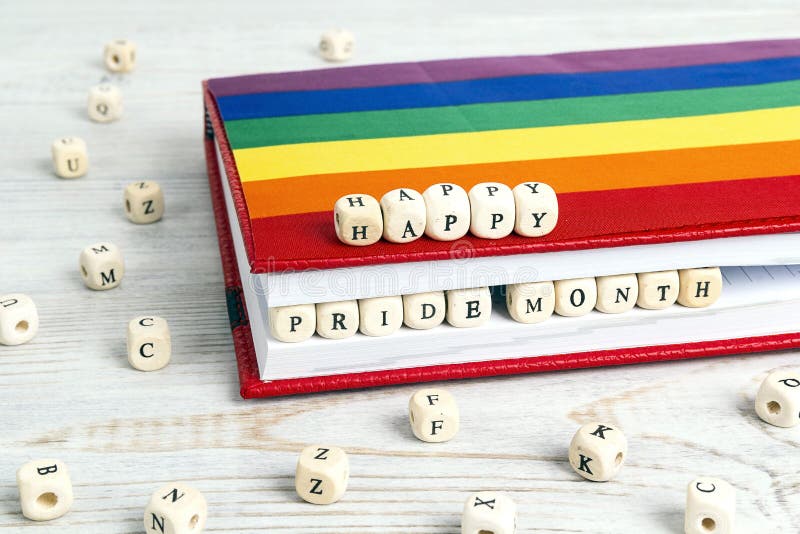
[597, 451]
[176, 509]
[149, 344]
[710, 507]
[358, 220]
[322, 474]
[45, 490]
[433, 414]
[102, 266]
[489, 513]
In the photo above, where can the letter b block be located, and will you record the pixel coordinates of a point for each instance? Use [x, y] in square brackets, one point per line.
[149, 343]
[176, 509]
[597, 451]
[489, 513]
[358, 220]
[710, 507]
[45, 490]
[102, 266]
[322, 474]
[433, 414]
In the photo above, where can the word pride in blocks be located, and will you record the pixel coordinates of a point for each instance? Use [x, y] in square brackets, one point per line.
[176, 509]
[358, 220]
[710, 507]
[120, 55]
[45, 489]
[70, 158]
[778, 398]
[105, 103]
[597, 451]
[101, 266]
[433, 414]
[144, 202]
[19, 319]
[149, 343]
[489, 512]
[322, 474]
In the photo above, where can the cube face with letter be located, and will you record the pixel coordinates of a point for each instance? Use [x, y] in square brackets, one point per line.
[120, 55]
[380, 316]
[575, 296]
[149, 343]
[699, 287]
[536, 209]
[322, 474]
[105, 103]
[710, 507]
[433, 414]
[617, 293]
[176, 509]
[70, 158]
[531, 302]
[404, 215]
[470, 307]
[102, 266]
[492, 210]
[489, 512]
[19, 319]
[658, 290]
[291, 324]
[144, 202]
[598, 451]
[778, 398]
[45, 489]
[337, 320]
[448, 212]
[422, 311]
[358, 220]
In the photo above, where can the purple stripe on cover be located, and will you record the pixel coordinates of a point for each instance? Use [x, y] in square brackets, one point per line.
[493, 67]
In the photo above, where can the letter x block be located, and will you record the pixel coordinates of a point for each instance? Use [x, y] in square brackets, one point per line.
[433, 414]
[489, 512]
[322, 474]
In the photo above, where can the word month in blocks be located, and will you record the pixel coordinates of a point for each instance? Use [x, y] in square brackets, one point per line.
[336, 45]
[322, 474]
[598, 451]
[105, 103]
[70, 158]
[489, 512]
[120, 55]
[19, 320]
[144, 202]
[45, 489]
[433, 414]
[710, 507]
[149, 343]
[101, 266]
[778, 398]
[175, 509]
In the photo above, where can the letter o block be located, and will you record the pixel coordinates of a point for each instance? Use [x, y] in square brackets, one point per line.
[422, 311]
[358, 220]
[710, 507]
[448, 212]
[536, 209]
[658, 290]
[598, 451]
[530, 302]
[101, 266]
[45, 490]
[291, 324]
[144, 202]
[120, 55]
[433, 414]
[19, 320]
[176, 509]
[778, 398]
[699, 288]
[149, 343]
[468, 307]
[70, 158]
[322, 474]
[492, 210]
[575, 297]
[404, 215]
[489, 512]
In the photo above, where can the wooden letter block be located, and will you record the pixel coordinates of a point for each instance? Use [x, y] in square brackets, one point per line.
[404, 215]
[617, 293]
[358, 220]
[492, 210]
[337, 320]
[380, 316]
[597, 451]
[291, 324]
[537, 209]
[176, 509]
[778, 398]
[120, 56]
[149, 343]
[422, 311]
[19, 320]
[658, 290]
[531, 302]
[448, 212]
[102, 266]
[468, 307]
[322, 474]
[433, 414]
[336, 45]
[710, 507]
[144, 202]
[45, 490]
[70, 159]
[575, 297]
[105, 103]
[699, 287]
[489, 512]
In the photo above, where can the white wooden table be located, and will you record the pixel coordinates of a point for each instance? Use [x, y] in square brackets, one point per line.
[71, 394]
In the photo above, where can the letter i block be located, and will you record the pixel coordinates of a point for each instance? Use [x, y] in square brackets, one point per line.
[102, 266]
[710, 507]
[433, 414]
[489, 513]
[322, 474]
[448, 212]
[380, 316]
[149, 343]
[176, 509]
[45, 490]
[597, 451]
[358, 220]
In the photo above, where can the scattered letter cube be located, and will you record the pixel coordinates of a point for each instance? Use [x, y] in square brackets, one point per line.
[710, 507]
[537, 209]
[530, 302]
[575, 297]
[658, 290]
[699, 287]
[120, 56]
[149, 344]
[492, 210]
[358, 220]
[468, 307]
[380, 316]
[291, 324]
[70, 159]
[102, 266]
[337, 320]
[778, 398]
[176, 509]
[489, 512]
[422, 311]
[597, 451]
[322, 474]
[336, 45]
[617, 293]
[404, 215]
[144, 202]
[448, 212]
[105, 103]
[45, 490]
[19, 319]
[433, 414]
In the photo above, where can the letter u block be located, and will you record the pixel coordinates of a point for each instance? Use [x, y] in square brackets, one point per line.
[489, 512]
[101, 266]
[358, 220]
[70, 158]
[433, 414]
[176, 509]
[149, 343]
[45, 490]
[322, 474]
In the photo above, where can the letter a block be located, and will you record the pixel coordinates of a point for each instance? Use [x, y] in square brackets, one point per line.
[597, 451]
[45, 490]
[149, 343]
[358, 220]
[433, 414]
[489, 512]
[778, 398]
[322, 474]
[102, 266]
[710, 507]
[404, 215]
[176, 509]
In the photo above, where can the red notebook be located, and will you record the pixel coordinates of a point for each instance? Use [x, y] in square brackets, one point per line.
[671, 154]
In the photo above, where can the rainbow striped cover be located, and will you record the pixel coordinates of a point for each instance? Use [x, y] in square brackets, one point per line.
[642, 145]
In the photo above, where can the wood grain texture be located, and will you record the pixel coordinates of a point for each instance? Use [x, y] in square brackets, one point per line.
[71, 394]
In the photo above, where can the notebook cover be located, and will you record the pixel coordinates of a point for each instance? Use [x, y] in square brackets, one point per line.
[642, 145]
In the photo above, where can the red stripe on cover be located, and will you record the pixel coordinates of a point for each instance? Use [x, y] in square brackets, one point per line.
[589, 219]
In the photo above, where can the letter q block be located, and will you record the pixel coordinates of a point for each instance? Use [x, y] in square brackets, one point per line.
[120, 55]
[358, 220]
[45, 489]
[105, 103]
[433, 414]
[149, 343]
